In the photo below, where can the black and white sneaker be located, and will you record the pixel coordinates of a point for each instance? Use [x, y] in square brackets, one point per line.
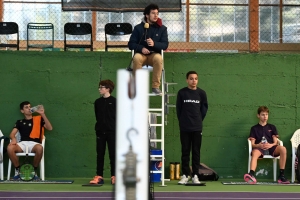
[156, 91]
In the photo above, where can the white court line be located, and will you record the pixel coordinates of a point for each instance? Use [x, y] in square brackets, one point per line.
[208, 198]
[57, 198]
[229, 198]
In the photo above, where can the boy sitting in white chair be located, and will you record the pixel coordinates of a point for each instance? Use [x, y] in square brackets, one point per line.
[31, 130]
[269, 131]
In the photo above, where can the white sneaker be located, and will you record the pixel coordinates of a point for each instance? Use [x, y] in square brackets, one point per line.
[183, 180]
[195, 180]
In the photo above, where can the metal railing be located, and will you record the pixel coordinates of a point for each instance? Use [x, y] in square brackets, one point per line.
[201, 26]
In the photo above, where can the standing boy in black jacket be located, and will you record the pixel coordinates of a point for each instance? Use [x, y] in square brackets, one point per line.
[105, 127]
[191, 107]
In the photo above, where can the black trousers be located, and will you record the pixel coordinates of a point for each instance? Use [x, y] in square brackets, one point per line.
[190, 141]
[102, 139]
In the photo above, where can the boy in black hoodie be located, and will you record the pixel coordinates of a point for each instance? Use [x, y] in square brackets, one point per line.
[105, 127]
[191, 107]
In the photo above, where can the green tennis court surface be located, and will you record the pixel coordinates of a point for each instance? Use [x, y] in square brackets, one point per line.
[171, 186]
[259, 183]
[92, 185]
[37, 182]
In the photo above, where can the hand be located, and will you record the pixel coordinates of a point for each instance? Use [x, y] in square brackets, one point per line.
[145, 51]
[13, 142]
[40, 109]
[150, 42]
[266, 146]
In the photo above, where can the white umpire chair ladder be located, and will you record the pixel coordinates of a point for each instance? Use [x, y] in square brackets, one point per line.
[160, 112]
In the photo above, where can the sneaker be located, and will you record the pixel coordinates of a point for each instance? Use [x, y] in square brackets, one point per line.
[97, 180]
[283, 180]
[183, 180]
[156, 91]
[195, 180]
[250, 179]
[113, 180]
[16, 177]
[36, 178]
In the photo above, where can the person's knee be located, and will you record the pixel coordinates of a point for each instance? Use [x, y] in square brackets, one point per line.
[157, 58]
[256, 154]
[282, 150]
[137, 58]
[38, 149]
[13, 149]
[10, 148]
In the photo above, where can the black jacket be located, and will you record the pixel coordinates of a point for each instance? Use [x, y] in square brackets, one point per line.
[191, 107]
[105, 111]
[158, 34]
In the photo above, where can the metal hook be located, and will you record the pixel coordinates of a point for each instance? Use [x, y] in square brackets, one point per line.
[127, 135]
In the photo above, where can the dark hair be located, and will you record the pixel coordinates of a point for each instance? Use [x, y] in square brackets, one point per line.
[190, 72]
[24, 103]
[262, 109]
[150, 7]
[108, 84]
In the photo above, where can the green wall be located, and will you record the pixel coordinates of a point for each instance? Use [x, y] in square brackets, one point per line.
[66, 83]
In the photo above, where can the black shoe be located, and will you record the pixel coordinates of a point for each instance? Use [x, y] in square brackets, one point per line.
[283, 180]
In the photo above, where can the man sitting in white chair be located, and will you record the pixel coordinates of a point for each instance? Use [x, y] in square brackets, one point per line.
[270, 147]
[147, 40]
[31, 130]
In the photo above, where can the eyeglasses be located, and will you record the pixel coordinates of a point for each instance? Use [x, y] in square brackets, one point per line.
[101, 87]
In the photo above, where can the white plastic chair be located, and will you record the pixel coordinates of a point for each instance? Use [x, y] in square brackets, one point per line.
[295, 140]
[1, 154]
[265, 156]
[42, 163]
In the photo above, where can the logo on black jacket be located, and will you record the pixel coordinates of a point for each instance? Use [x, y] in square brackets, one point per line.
[191, 101]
